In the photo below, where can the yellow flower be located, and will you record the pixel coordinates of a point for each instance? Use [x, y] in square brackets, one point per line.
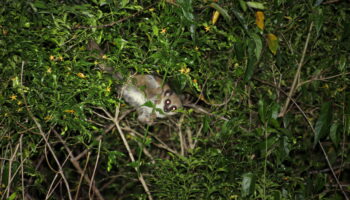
[52, 57]
[104, 57]
[13, 97]
[163, 31]
[151, 9]
[196, 48]
[69, 111]
[19, 103]
[108, 89]
[207, 28]
[49, 70]
[185, 70]
[96, 62]
[81, 75]
[60, 58]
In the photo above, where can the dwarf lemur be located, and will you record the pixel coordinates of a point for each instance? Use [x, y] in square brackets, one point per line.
[139, 89]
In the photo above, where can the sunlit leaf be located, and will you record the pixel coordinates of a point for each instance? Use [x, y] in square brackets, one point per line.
[256, 5]
[259, 19]
[272, 42]
[215, 17]
[248, 184]
[243, 5]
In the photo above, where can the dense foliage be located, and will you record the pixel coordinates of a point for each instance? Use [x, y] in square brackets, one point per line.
[269, 81]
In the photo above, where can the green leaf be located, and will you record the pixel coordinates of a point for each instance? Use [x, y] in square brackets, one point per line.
[13, 196]
[258, 45]
[272, 42]
[323, 123]
[149, 104]
[333, 134]
[261, 110]
[248, 184]
[318, 19]
[251, 61]
[240, 18]
[222, 11]
[256, 5]
[243, 5]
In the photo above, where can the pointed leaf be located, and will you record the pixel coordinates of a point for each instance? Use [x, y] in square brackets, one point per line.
[259, 19]
[256, 5]
[222, 11]
[240, 18]
[243, 5]
[323, 123]
[251, 61]
[215, 17]
[258, 45]
[333, 134]
[272, 42]
[248, 184]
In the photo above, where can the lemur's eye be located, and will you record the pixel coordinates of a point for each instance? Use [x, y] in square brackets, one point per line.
[167, 102]
[168, 93]
[172, 108]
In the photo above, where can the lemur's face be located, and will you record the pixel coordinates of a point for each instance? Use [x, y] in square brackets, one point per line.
[169, 104]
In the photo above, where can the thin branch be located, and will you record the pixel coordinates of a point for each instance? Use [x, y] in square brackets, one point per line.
[76, 164]
[10, 177]
[82, 176]
[297, 74]
[94, 172]
[322, 78]
[22, 170]
[181, 138]
[202, 110]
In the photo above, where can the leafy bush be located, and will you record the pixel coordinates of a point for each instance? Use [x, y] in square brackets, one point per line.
[271, 77]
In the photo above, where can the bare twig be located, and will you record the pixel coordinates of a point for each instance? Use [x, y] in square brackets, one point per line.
[322, 78]
[199, 132]
[297, 74]
[82, 176]
[162, 144]
[22, 170]
[94, 172]
[181, 138]
[76, 164]
[202, 110]
[10, 178]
